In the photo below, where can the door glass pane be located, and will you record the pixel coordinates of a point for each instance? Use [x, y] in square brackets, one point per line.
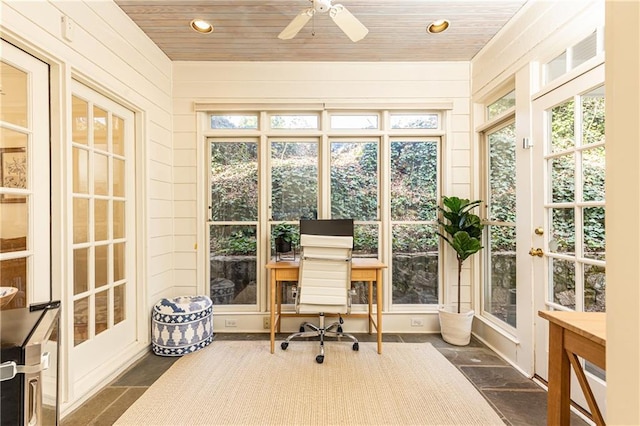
[80, 270]
[594, 233]
[80, 220]
[80, 120]
[80, 170]
[563, 179]
[101, 222]
[118, 262]
[233, 264]
[13, 273]
[593, 116]
[555, 68]
[80, 320]
[563, 282]
[562, 127]
[364, 121]
[237, 121]
[100, 129]
[354, 180]
[14, 95]
[100, 174]
[118, 177]
[415, 264]
[414, 180]
[119, 299]
[117, 138]
[593, 174]
[101, 265]
[234, 181]
[414, 121]
[118, 219]
[563, 235]
[594, 288]
[102, 311]
[294, 180]
[14, 229]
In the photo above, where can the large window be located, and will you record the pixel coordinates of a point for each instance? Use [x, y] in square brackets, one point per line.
[500, 244]
[233, 222]
[379, 168]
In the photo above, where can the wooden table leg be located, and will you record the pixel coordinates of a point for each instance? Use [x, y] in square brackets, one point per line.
[379, 308]
[559, 394]
[370, 299]
[272, 310]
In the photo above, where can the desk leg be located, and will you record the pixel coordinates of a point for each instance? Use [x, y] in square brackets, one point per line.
[370, 299]
[379, 308]
[559, 394]
[272, 309]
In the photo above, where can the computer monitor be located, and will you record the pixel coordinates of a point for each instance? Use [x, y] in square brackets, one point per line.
[334, 227]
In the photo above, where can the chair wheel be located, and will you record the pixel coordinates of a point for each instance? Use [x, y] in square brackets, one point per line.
[320, 359]
[302, 329]
[284, 345]
[339, 329]
[356, 346]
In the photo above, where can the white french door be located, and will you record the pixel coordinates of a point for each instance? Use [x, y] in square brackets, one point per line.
[568, 209]
[24, 177]
[102, 288]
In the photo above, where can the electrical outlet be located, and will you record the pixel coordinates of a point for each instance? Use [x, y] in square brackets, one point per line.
[417, 322]
[266, 323]
[230, 323]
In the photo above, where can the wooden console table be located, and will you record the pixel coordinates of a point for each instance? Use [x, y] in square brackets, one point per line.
[362, 269]
[573, 334]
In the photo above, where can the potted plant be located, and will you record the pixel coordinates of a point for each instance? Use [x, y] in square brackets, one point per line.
[462, 230]
[283, 235]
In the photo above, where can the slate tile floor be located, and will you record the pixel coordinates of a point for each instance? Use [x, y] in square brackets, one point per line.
[518, 400]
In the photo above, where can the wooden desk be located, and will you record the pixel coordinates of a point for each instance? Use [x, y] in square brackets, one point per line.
[573, 334]
[362, 269]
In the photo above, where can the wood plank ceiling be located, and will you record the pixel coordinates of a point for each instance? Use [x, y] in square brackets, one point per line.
[247, 30]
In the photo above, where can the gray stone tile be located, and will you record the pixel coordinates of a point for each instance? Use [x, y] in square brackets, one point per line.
[524, 407]
[118, 407]
[492, 377]
[472, 356]
[91, 409]
[145, 371]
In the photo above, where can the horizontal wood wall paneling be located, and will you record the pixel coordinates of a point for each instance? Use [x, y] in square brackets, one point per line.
[538, 34]
[160, 226]
[97, 23]
[185, 191]
[354, 89]
[320, 71]
[139, 41]
[39, 23]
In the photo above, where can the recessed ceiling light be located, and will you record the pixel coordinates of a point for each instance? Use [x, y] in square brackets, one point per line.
[201, 26]
[438, 26]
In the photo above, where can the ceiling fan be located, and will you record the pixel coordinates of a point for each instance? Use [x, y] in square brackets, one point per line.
[348, 23]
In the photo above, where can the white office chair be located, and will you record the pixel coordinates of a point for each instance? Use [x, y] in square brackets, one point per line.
[324, 286]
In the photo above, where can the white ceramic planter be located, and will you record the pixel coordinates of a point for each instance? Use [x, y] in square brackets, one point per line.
[455, 327]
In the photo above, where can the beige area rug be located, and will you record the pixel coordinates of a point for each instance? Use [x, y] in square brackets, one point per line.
[241, 383]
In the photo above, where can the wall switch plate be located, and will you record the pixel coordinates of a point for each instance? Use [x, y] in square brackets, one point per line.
[266, 323]
[68, 28]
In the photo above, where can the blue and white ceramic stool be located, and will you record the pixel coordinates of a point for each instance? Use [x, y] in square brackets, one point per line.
[181, 325]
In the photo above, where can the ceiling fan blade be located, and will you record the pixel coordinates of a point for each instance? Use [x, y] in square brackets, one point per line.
[348, 23]
[296, 24]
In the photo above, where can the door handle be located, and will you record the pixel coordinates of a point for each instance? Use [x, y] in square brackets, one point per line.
[536, 252]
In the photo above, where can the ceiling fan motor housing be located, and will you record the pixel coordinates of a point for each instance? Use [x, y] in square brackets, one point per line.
[322, 6]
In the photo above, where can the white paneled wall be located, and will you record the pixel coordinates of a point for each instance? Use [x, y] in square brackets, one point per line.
[292, 82]
[109, 53]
